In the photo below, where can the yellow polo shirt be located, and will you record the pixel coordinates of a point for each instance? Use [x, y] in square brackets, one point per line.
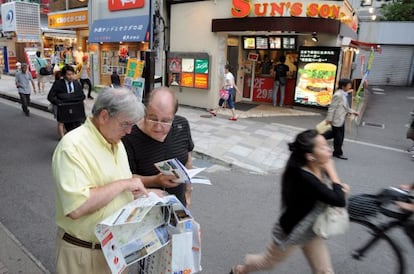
[82, 160]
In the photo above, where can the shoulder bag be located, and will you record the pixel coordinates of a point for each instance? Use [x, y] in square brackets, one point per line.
[332, 221]
[224, 94]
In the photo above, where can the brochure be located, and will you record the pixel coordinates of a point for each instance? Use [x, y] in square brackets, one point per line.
[176, 168]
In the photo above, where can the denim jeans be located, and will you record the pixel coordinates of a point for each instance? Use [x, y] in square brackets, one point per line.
[275, 91]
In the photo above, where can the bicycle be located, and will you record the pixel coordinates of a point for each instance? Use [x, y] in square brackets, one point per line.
[369, 247]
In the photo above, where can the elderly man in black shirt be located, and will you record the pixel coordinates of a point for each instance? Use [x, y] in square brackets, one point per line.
[159, 136]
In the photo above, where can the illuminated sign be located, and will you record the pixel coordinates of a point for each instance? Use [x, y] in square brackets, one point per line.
[188, 70]
[317, 70]
[68, 19]
[114, 5]
[317, 9]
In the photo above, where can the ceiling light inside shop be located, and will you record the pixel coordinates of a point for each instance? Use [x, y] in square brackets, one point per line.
[314, 37]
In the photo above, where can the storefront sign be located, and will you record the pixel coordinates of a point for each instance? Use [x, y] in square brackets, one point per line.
[126, 29]
[316, 77]
[262, 89]
[299, 8]
[68, 19]
[114, 5]
[253, 56]
[188, 70]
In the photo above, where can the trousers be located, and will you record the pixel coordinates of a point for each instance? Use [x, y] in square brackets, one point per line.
[276, 86]
[88, 82]
[315, 251]
[25, 101]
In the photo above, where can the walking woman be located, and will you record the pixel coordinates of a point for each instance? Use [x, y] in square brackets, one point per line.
[229, 84]
[304, 196]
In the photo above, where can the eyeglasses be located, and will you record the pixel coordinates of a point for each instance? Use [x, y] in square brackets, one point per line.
[161, 123]
[125, 125]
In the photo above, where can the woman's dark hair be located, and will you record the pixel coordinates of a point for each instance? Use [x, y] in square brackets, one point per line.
[303, 144]
[343, 82]
[227, 66]
[282, 59]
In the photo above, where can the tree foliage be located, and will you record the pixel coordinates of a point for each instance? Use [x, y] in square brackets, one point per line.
[399, 10]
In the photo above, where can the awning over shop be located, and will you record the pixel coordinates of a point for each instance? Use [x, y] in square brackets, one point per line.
[125, 29]
[366, 46]
[298, 24]
[58, 33]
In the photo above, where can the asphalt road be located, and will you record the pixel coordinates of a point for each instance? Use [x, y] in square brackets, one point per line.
[236, 213]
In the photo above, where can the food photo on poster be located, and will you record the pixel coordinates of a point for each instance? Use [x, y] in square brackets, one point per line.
[317, 70]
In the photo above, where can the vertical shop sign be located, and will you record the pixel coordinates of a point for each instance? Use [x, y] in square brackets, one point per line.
[8, 15]
[317, 69]
[201, 73]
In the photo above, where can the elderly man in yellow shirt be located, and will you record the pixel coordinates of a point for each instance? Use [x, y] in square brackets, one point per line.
[93, 180]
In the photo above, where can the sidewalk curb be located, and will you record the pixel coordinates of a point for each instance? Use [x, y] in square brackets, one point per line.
[17, 100]
[27, 253]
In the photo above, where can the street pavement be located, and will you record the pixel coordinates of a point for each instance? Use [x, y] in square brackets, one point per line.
[259, 148]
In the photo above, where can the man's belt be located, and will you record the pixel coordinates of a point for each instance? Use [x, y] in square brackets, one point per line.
[78, 242]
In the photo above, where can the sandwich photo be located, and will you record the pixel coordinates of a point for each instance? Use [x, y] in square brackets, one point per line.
[317, 77]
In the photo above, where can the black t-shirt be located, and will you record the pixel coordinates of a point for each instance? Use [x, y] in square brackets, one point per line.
[302, 192]
[281, 71]
[143, 151]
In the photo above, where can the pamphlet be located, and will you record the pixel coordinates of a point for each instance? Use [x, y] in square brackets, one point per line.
[176, 168]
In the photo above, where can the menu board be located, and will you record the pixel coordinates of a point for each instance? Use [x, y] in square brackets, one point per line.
[269, 42]
[249, 43]
[275, 42]
[188, 70]
[317, 69]
[261, 43]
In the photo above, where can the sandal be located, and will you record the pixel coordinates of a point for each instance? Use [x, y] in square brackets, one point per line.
[233, 119]
[213, 113]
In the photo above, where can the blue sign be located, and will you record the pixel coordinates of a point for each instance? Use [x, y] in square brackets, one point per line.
[125, 29]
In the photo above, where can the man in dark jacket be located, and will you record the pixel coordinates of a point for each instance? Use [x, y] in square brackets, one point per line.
[68, 96]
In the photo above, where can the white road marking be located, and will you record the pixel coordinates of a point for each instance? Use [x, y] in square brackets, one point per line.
[378, 89]
[376, 146]
[378, 93]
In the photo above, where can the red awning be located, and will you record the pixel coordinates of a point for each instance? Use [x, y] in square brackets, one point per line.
[366, 46]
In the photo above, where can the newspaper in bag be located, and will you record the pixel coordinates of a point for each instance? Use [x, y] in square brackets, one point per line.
[140, 228]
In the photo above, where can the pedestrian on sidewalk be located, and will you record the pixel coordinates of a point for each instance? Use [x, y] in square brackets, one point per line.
[60, 126]
[84, 75]
[230, 86]
[41, 79]
[93, 180]
[161, 135]
[337, 112]
[304, 196]
[68, 96]
[23, 79]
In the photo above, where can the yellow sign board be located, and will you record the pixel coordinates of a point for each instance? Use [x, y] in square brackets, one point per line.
[135, 68]
[68, 19]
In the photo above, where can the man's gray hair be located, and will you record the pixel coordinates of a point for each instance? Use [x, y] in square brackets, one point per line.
[119, 100]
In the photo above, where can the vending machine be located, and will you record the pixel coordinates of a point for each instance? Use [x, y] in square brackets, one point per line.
[30, 56]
